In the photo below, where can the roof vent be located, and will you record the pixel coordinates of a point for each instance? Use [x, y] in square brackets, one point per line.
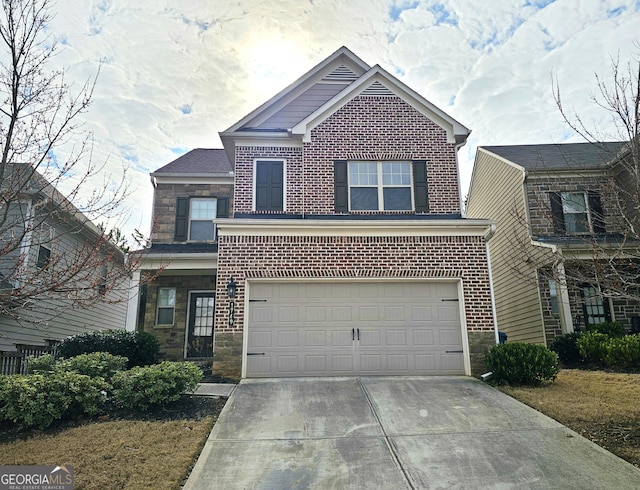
[341, 74]
[377, 89]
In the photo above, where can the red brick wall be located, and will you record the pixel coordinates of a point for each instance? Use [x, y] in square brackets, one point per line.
[351, 257]
[369, 128]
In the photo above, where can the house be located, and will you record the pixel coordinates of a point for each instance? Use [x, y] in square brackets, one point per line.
[60, 274]
[345, 251]
[559, 230]
[189, 194]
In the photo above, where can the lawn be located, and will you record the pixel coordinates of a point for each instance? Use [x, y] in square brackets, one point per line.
[601, 406]
[135, 451]
[157, 450]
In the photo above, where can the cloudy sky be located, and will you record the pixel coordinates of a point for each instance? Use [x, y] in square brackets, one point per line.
[175, 73]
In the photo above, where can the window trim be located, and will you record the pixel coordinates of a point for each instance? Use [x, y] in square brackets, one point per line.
[172, 307]
[189, 219]
[254, 188]
[380, 186]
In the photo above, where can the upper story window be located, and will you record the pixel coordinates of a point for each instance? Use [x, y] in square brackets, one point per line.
[195, 217]
[577, 213]
[201, 215]
[269, 184]
[44, 256]
[380, 186]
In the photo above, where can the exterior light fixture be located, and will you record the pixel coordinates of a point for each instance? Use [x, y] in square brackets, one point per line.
[231, 288]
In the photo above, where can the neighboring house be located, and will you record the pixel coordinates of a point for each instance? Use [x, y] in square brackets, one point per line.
[346, 252]
[556, 210]
[59, 276]
[189, 194]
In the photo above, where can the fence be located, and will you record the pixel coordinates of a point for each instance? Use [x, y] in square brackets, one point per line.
[15, 362]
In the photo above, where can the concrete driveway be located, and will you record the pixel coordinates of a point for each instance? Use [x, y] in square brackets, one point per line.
[410, 432]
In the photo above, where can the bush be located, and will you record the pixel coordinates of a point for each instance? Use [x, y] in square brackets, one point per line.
[519, 363]
[40, 399]
[592, 346]
[161, 384]
[95, 364]
[622, 351]
[612, 329]
[41, 364]
[141, 348]
[566, 346]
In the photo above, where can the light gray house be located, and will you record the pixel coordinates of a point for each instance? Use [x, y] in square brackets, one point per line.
[59, 274]
[557, 208]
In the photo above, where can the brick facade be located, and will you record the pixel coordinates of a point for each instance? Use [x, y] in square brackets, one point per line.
[367, 128]
[354, 257]
[164, 211]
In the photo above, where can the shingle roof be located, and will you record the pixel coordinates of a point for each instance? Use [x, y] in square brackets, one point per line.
[199, 161]
[559, 156]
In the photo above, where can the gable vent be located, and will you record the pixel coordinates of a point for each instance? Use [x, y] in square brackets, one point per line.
[377, 89]
[341, 74]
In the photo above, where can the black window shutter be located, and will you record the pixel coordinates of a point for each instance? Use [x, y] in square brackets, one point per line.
[557, 215]
[420, 187]
[597, 217]
[222, 209]
[340, 186]
[182, 219]
[269, 186]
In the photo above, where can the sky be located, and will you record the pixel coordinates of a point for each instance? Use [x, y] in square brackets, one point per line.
[175, 73]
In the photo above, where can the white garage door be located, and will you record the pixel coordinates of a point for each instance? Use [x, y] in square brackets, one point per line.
[353, 328]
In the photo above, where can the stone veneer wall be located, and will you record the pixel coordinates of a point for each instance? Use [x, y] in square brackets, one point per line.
[172, 337]
[164, 218]
[351, 257]
[367, 128]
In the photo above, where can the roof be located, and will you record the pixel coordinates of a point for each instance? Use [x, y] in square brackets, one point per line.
[198, 161]
[562, 156]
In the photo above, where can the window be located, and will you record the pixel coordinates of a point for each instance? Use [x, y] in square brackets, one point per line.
[195, 215]
[44, 255]
[553, 295]
[166, 306]
[269, 185]
[102, 285]
[577, 213]
[380, 186]
[202, 212]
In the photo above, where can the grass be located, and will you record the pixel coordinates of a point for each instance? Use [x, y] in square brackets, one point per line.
[156, 450]
[601, 406]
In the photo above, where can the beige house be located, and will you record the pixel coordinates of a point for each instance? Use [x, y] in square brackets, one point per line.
[555, 209]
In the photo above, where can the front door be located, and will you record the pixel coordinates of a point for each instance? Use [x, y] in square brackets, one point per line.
[200, 325]
[595, 307]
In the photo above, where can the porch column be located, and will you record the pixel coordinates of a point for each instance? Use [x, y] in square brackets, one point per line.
[133, 302]
[566, 320]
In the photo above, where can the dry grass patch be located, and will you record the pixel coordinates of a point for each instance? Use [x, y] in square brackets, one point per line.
[602, 406]
[119, 454]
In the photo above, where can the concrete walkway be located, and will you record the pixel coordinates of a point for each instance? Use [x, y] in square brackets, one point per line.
[395, 433]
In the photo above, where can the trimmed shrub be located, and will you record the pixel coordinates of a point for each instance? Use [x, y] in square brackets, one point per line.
[518, 363]
[160, 384]
[95, 364]
[622, 351]
[40, 399]
[141, 348]
[566, 346]
[41, 364]
[612, 329]
[592, 346]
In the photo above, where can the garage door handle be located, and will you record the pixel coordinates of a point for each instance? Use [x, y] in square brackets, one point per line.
[358, 335]
[454, 352]
[256, 353]
[353, 334]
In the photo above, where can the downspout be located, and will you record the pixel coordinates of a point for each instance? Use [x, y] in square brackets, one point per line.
[460, 199]
[487, 237]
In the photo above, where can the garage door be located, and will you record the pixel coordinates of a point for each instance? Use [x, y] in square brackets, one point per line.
[353, 329]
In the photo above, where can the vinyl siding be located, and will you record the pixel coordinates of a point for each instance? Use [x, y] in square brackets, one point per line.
[497, 193]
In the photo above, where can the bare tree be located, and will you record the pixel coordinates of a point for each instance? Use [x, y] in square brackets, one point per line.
[610, 259]
[52, 257]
